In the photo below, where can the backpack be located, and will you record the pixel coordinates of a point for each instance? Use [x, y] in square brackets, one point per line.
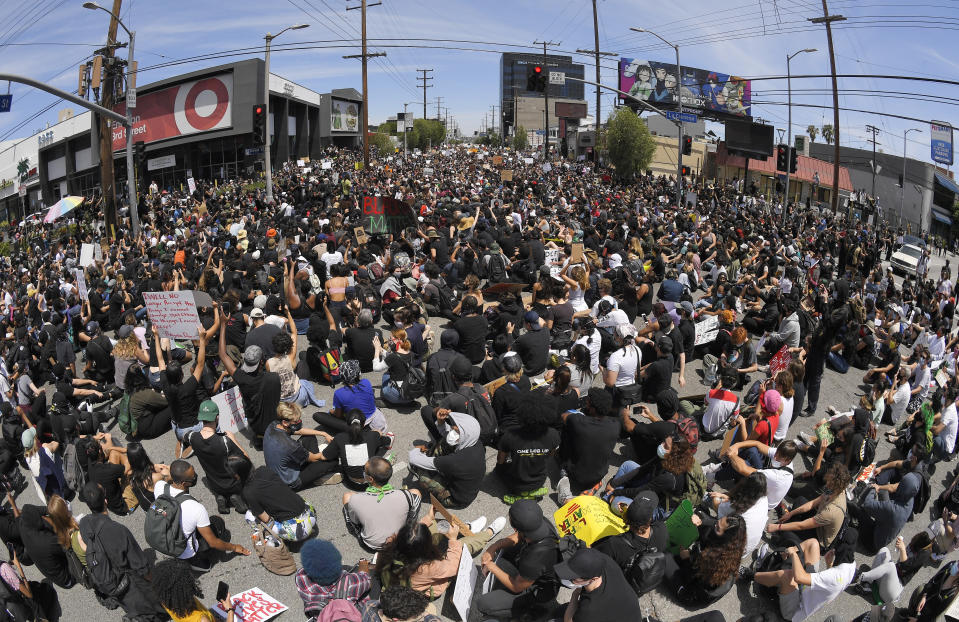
[324, 365]
[568, 545]
[808, 323]
[126, 421]
[440, 382]
[690, 429]
[414, 386]
[106, 579]
[340, 609]
[479, 407]
[694, 490]
[645, 569]
[446, 300]
[496, 268]
[162, 524]
[923, 494]
[867, 453]
[73, 473]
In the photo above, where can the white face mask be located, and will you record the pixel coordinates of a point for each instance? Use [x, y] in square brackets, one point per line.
[661, 451]
[452, 438]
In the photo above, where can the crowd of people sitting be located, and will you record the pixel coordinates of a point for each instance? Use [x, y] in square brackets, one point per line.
[562, 335]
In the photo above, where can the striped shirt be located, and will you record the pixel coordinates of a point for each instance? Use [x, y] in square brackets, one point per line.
[352, 586]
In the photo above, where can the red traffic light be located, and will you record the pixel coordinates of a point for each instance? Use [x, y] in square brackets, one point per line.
[258, 110]
[538, 69]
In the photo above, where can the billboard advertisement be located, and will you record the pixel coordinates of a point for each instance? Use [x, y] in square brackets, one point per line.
[941, 134]
[346, 116]
[702, 90]
[189, 108]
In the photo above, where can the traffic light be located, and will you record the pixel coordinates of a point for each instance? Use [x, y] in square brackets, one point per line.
[535, 79]
[782, 159]
[685, 171]
[139, 153]
[793, 159]
[687, 145]
[259, 125]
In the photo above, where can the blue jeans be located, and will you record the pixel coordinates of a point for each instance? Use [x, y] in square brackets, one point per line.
[616, 500]
[302, 324]
[306, 395]
[181, 432]
[391, 393]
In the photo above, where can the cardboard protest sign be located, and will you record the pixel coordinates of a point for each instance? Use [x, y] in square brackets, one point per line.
[86, 255]
[707, 330]
[81, 284]
[361, 237]
[386, 215]
[465, 583]
[254, 605]
[506, 175]
[172, 313]
[588, 518]
[576, 255]
[780, 361]
[232, 416]
[497, 160]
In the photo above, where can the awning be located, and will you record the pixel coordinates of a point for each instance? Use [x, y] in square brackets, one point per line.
[947, 183]
[944, 219]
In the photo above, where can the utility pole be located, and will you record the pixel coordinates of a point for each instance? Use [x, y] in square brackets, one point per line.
[828, 20]
[107, 100]
[493, 109]
[546, 98]
[425, 85]
[439, 103]
[873, 130]
[364, 58]
[596, 53]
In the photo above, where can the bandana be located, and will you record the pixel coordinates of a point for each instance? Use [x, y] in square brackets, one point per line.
[380, 491]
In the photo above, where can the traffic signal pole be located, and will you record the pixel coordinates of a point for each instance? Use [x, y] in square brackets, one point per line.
[546, 96]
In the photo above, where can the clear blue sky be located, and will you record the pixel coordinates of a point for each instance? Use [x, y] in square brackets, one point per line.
[730, 36]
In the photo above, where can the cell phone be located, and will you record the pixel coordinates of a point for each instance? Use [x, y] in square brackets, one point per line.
[222, 591]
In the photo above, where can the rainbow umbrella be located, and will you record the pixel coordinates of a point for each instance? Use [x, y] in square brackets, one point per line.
[64, 205]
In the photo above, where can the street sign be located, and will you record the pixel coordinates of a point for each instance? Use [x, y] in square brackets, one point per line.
[685, 117]
[557, 77]
[131, 99]
[23, 190]
[253, 151]
[5, 102]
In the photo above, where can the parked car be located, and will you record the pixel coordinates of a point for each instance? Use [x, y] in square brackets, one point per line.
[906, 259]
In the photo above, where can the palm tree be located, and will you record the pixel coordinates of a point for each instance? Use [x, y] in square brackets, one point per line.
[813, 131]
[22, 167]
[827, 133]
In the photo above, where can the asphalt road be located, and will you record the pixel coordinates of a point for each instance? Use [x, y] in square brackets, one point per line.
[245, 572]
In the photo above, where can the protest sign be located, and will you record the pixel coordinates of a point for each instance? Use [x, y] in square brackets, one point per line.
[682, 531]
[576, 255]
[588, 518]
[97, 253]
[527, 160]
[547, 167]
[780, 361]
[326, 165]
[232, 416]
[191, 184]
[255, 605]
[81, 284]
[465, 583]
[299, 164]
[506, 175]
[552, 257]
[386, 215]
[707, 330]
[361, 237]
[497, 160]
[86, 255]
[173, 314]
[427, 171]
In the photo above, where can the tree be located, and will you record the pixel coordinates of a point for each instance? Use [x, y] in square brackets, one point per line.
[520, 140]
[827, 133]
[23, 166]
[382, 142]
[426, 133]
[813, 131]
[491, 139]
[630, 145]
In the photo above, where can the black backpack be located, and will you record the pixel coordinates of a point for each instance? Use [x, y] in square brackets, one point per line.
[496, 268]
[107, 580]
[645, 569]
[414, 386]
[446, 299]
[923, 494]
[479, 407]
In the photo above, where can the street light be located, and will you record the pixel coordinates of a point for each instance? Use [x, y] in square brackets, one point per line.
[131, 98]
[679, 123]
[902, 190]
[267, 164]
[789, 123]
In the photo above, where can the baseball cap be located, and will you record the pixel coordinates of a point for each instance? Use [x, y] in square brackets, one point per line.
[526, 517]
[665, 344]
[688, 307]
[771, 401]
[640, 511]
[125, 331]
[28, 437]
[209, 411]
[93, 328]
[252, 357]
[257, 313]
[461, 368]
[533, 318]
[584, 564]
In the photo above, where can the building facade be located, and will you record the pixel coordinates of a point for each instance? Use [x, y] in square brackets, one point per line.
[518, 106]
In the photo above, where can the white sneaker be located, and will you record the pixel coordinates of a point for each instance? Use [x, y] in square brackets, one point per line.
[761, 553]
[807, 438]
[478, 524]
[709, 470]
[498, 524]
[563, 492]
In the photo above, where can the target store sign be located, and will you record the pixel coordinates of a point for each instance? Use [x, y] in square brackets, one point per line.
[198, 106]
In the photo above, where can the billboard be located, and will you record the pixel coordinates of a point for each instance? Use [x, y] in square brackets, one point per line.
[345, 115]
[753, 139]
[941, 134]
[197, 106]
[568, 110]
[702, 90]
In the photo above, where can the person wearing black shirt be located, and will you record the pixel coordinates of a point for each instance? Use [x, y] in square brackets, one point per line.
[533, 345]
[455, 477]
[359, 341]
[224, 462]
[40, 543]
[588, 441]
[355, 447]
[601, 592]
[275, 505]
[98, 307]
[657, 376]
[508, 398]
[524, 575]
[472, 328]
[182, 396]
[645, 536]
[523, 451]
[439, 248]
[261, 334]
[109, 474]
[259, 388]
[100, 365]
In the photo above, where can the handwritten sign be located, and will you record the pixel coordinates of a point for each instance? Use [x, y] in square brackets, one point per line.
[191, 184]
[386, 215]
[506, 175]
[527, 160]
[326, 165]
[97, 253]
[81, 284]
[232, 416]
[86, 255]
[552, 260]
[427, 171]
[465, 584]
[780, 361]
[255, 605]
[547, 167]
[497, 160]
[707, 330]
[588, 518]
[361, 237]
[173, 313]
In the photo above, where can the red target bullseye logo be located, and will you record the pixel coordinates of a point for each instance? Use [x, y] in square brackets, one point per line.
[203, 105]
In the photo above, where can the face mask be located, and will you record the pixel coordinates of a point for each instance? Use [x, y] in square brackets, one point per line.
[452, 438]
[661, 451]
[954, 569]
[295, 427]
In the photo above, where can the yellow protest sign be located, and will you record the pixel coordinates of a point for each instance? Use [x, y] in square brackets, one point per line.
[588, 518]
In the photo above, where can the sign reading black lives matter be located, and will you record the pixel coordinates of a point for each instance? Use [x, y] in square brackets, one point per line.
[386, 215]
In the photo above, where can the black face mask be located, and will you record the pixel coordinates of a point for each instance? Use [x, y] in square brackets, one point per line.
[191, 483]
[295, 427]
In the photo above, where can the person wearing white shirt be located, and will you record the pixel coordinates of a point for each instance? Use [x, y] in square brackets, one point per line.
[748, 499]
[897, 397]
[779, 472]
[945, 427]
[784, 384]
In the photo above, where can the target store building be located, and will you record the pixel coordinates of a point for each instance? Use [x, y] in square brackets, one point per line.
[200, 125]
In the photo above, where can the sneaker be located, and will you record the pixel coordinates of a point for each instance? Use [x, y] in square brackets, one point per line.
[807, 438]
[200, 565]
[563, 491]
[831, 411]
[329, 480]
[391, 457]
[238, 504]
[761, 553]
[392, 438]
[764, 369]
[477, 524]
[498, 524]
[801, 445]
[746, 573]
[222, 505]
